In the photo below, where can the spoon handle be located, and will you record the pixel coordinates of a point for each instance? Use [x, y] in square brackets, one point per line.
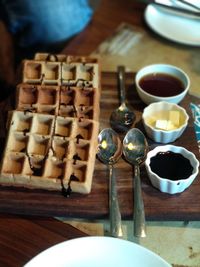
[121, 81]
[139, 215]
[115, 215]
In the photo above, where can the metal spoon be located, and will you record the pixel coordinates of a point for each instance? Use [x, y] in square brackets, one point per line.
[135, 148]
[109, 151]
[122, 118]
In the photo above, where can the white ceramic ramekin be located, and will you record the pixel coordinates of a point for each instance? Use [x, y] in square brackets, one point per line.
[159, 135]
[167, 185]
[164, 69]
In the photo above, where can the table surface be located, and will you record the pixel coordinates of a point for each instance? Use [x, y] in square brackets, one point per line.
[102, 26]
[23, 237]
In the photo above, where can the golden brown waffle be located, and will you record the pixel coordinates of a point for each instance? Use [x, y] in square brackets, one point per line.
[81, 102]
[52, 136]
[46, 151]
[53, 70]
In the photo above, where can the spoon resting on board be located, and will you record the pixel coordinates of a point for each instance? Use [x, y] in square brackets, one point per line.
[135, 148]
[122, 118]
[109, 151]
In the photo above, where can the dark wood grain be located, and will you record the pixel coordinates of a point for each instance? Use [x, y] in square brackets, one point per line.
[109, 15]
[22, 238]
[158, 206]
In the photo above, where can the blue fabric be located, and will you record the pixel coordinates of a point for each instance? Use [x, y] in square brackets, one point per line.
[45, 21]
[196, 115]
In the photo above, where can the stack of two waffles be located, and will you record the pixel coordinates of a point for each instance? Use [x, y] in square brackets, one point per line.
[52, 136]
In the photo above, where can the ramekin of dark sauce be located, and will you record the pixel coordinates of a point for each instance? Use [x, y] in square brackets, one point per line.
[161, 82]
[171, 168]
[171, 165]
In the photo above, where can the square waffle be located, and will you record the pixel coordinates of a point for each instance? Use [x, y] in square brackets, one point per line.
[59, 100]
[52, 136]
[54, 70]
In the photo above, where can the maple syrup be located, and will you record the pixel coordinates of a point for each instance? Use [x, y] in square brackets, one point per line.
[161, 84]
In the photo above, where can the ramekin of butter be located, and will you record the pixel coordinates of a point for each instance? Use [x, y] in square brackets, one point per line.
[164, 122]
[171, 169]
[161, 82]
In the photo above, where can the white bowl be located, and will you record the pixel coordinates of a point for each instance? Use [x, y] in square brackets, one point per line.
[169, 185]
[164, 69]
[159, 111]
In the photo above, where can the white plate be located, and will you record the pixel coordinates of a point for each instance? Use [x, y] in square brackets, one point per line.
[97, 252]
[179, 28]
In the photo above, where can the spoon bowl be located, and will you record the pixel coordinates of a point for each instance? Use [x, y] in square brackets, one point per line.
[135, 149]
[109, 146]
[109, 151]
[135, 146]
[122, 118]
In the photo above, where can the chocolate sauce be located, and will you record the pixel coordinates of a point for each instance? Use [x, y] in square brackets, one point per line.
[74, 111]
[78, 137]
[160, 84]
[42, 77]
[75, 158]
[66, 192]
[29, 110]
[52, 58]
[37, 171]
[170, 165]
[25, 131]
[73, 178]
[82, 107]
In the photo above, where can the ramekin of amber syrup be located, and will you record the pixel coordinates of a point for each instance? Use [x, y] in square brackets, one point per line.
[161, 82]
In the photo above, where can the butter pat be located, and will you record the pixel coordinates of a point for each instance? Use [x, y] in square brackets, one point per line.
[161, 124]
[170, 121]
[165, 125]
[174, 117]
[170, 126]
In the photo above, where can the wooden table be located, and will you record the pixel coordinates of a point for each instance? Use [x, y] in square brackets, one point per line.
[107, 18]
[21, 237]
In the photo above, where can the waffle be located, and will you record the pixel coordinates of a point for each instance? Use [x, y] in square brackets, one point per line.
[81, 102]
[54, 70]
[52, 136]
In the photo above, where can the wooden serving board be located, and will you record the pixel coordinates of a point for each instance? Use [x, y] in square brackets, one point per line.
[158, 206]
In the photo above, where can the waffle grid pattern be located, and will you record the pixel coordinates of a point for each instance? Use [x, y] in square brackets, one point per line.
[52, 136]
